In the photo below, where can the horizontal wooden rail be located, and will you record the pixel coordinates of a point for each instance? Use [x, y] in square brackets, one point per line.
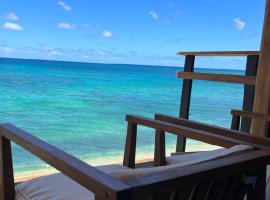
[227, 78]
[265, 142]
[189, 132]
[219, 53]
[103, 185]
[250, 115]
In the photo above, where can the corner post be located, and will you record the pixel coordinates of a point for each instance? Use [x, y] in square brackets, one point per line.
[185, 100]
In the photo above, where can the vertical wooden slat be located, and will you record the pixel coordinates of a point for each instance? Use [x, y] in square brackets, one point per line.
[130, 148]
[251, 70]
[258, 192]
[185, 100]
[262, 88]
[235, 122]
[160, 149]
[7, 187]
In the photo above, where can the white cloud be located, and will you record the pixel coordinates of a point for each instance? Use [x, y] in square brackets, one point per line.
[64, 5]
[64, 25]
[153, 14]
[7, 49]
[239, 24]
[11, 16]
[107, 34]
[12, 26]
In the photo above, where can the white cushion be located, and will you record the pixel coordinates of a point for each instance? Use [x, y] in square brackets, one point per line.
[181, 161]
[60, 187]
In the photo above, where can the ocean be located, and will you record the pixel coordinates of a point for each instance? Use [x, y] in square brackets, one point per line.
[80, 107]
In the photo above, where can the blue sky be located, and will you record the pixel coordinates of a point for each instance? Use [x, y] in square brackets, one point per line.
[124, 31]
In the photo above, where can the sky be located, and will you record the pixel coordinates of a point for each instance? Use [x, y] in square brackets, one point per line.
[146, 32]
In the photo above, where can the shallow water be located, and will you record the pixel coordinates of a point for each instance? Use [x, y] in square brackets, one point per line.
[81, 108]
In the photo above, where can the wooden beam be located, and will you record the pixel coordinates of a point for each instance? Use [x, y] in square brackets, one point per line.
[185, 100]
[249, 90]
[220, 53]
[227, 78]
[262, 90]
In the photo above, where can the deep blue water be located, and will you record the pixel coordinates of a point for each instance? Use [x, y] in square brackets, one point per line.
[81, 107]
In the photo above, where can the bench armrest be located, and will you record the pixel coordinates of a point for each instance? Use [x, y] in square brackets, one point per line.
[101, 184]
[177, 129]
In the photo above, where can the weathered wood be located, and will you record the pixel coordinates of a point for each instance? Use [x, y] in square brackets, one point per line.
[235, 122]
[251, 115]
[251, 70]
[185, 100]
[228, 78]
[130, 148]
[160, 149]
[7, 186]
[103, 185]
[262, 90]
[220, 53]
[265, 142]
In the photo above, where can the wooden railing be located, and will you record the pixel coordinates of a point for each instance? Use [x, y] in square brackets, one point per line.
[227, 78]
[238, 114]
[220, 53]
[188, 75]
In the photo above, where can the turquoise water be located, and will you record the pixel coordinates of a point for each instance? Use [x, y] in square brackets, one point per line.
[81, 108]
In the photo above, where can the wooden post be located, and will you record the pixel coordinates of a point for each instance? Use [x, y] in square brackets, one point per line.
[7, 187]
[251, 70]
[160, 149]
[130, 148]
[185, 100]
[262, 89]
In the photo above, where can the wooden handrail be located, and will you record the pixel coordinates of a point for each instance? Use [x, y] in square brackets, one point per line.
[251, 115]
[215, 130]
[103, 185]
[227, 78]
[220, 53]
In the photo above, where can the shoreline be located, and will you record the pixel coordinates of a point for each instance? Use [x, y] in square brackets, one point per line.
[140, 157]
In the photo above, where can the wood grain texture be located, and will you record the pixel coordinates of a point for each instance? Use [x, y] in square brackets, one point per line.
[219, 53]
[262, 89]
[227, 78]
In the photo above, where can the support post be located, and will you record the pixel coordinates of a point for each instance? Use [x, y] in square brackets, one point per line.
[262, 89]
[251, 70]
[130, 148]
[185, 100]
[160, 149]
[7, 187]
